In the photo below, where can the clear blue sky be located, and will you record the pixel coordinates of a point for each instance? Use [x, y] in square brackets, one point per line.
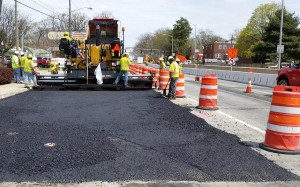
[140, 16]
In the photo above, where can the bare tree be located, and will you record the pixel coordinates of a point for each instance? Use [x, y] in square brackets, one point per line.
[206, 37]
[7, 25]
[105, 14]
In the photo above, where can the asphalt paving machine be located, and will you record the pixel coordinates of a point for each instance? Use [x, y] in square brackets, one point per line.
[102, 47]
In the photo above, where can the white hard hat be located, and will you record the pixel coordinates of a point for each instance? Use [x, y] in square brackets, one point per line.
[177, 60]
[22, 53]
[16, 52]
[170, 57]
[161, 59]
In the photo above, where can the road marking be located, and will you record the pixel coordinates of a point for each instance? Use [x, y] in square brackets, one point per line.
[239, 121]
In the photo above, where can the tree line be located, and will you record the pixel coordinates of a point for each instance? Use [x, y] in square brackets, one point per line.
[36, 33]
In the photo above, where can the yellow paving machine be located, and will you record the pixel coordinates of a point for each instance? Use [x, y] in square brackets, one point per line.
[102, 48]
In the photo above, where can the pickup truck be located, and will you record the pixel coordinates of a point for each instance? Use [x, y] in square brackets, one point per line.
[43, 62]
[289, 75]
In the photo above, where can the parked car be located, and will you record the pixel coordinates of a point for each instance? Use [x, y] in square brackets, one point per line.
[289, 75]
[7, 61]
[188, 62]
[42, 62]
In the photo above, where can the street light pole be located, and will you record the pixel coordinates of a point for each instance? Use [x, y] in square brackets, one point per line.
[281, 30]
[195, 41]
[70, 34]
[17, 26]
[172, 41]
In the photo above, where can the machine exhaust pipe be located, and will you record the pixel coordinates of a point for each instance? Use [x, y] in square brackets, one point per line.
[97, 35]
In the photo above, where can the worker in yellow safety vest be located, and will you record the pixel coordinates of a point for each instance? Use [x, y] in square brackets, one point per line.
[53, 68]
[125, 63]
[179, 65]
[16, 67]
[174, 75]
[162, 64]
[29, 72]
[22, 62]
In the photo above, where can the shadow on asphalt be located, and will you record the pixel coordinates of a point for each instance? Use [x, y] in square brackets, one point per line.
[57, 136]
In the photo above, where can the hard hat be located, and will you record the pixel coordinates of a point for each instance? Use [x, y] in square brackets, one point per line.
[161, 59]
[16, 52]
[29, 56]
[177, 60]
[22, 53]
[66, 33]
[170, 58]
[51, 63]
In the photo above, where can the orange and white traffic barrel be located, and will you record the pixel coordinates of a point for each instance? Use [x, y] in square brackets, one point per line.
[155, 81]
[145, 70]
[208, 92]
[180, 86]
[283, 128]
[164, 78]
[140, 70]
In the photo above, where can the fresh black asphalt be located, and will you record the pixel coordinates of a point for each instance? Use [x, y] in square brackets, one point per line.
[119, 136]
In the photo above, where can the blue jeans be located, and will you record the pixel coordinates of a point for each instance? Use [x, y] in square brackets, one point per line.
[121, 73]
[17, 75]
[29, 77]
[172, 88]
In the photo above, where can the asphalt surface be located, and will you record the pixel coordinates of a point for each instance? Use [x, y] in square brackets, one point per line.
[83, 136]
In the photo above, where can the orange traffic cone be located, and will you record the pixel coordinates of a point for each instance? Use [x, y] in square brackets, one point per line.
[249, 87]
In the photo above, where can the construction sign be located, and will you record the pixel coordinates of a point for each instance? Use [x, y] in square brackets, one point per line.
[232, 52]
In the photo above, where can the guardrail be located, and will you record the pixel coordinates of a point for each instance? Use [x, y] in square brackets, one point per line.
[261, 79]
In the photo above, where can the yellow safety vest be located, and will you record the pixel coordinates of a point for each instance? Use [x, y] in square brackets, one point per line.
[125, 62]
[180, 69]
[22, 61]
[162, 65]
[174, 69]
[28, 66]
[15, 62]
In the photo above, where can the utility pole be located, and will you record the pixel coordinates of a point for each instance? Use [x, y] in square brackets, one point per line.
[17, 26]
[70, 32]
[0, 6]
[22, 41]
[281, 30]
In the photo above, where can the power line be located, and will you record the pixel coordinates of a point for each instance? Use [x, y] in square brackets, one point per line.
[42, 6]
[37, 10]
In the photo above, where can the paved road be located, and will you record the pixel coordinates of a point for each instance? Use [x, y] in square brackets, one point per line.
[83, 136]
[251, 108]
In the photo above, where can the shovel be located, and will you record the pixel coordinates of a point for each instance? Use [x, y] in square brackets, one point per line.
[165, 90]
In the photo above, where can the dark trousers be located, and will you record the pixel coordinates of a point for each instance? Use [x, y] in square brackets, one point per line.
[172, 88]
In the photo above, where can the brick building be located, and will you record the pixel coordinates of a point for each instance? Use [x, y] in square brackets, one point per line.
[217, 51]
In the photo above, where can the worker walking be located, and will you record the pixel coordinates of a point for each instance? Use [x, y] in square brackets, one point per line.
[16, 67]
[125, 63]
[22, 63]
[162, 64]
[174, 75]
[29, 72]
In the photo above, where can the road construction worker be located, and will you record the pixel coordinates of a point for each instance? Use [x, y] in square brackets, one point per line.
[29, 71]
[174, 75]
[22, 62]
[15, 63]
[125, 63]
[179, 65]
[64, 44]
[66, 35]
[162, 64]
[53, 68]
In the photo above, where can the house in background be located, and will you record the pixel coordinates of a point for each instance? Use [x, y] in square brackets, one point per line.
[217, 51]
